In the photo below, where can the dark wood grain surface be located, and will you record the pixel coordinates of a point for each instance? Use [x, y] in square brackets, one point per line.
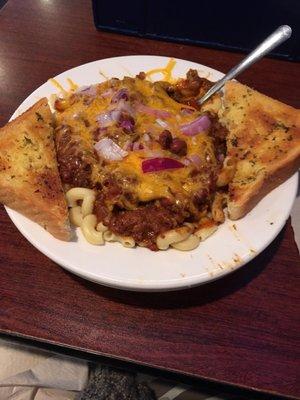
[241, 330]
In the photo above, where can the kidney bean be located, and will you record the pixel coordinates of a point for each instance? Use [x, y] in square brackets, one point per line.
[165, 139]
[179, 147]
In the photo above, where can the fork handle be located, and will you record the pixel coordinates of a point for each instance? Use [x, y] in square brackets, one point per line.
[279, 36]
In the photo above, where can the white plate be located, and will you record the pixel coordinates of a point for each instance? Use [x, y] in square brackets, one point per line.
[233, 245]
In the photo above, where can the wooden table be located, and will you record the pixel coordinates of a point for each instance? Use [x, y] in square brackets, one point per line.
[241, 330]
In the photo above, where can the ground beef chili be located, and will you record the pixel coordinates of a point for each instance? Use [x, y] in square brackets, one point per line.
[141, 76]
[143, 224]
[219, 133]
[74, 163]
[187, 91]
[165, 139]
[190, 88]
[101, 210]
[107, 197]
[116, 205]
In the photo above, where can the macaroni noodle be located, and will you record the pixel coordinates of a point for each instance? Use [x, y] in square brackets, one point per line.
[179, 238]
[188, 244]
[109, 236]
[126, 241]
[101, 228]
[88, 229]
[86, 195]
[76, 215]
[205, 232]
[164, 240]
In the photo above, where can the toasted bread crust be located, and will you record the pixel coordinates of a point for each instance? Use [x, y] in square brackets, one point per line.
[244, 204]
[263, 141]
[29, 178]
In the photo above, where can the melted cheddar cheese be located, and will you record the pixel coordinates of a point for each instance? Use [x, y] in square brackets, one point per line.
[82, 110]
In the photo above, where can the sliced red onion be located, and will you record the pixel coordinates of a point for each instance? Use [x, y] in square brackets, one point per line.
[115, 114]
[192, 159]
[136, 146]
[127, 125]
[99, 132]
[152, 111]
[160, 164]
[109, 150]
[125, 107]
[128, 145]
[187, 111]
[87, 90]
[162, 123]
[121, 94]
[194, 128]
[186, 162]
[104, 120]
[107, 93]
[195, 159]
[126, 122]
[108, 118]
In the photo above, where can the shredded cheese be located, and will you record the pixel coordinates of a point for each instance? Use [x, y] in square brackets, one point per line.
[57, 85]
[145, 186]
[73, 85]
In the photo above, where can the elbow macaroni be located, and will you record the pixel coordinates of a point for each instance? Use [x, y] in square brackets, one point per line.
[206, 231]
[88, 228]
[82, 217]
[188, 244]
[168, 238]
[183, 238]
[126, 241]
[76, 215]
[101, 228]
[87, 196]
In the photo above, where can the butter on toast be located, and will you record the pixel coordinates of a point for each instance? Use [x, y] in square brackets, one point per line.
[29, 177]
[263, 143]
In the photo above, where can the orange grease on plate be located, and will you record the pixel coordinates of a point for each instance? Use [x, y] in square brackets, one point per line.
[166, 71]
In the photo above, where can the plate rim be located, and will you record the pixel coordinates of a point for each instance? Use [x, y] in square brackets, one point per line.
[148, 286]
[133, 284]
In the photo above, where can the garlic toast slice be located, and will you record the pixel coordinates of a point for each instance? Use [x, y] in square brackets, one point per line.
[29, 177]
[263, 143]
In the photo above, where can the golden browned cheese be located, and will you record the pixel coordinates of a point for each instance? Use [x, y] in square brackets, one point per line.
[80, 113]
[29, 178]
[263, 143]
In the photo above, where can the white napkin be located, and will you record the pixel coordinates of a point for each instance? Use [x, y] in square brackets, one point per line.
[29, 374]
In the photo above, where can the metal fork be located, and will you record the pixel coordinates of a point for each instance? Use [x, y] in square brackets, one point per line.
[279, 36]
